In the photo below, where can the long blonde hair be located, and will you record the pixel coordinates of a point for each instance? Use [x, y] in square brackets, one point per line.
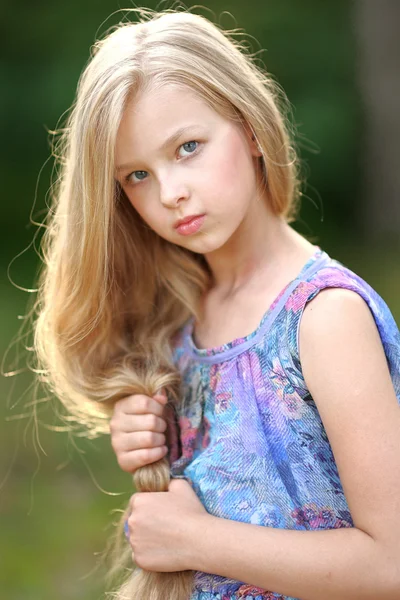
[112, 293]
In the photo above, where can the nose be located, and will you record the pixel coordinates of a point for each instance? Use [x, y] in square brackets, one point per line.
[172, 190]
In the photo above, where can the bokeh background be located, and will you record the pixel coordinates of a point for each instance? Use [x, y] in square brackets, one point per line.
[337, 62]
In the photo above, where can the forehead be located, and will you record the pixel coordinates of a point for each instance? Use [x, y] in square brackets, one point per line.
[153, 115]
[169, 101]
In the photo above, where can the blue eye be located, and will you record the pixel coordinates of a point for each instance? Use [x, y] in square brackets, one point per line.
[137, 176]
[189, 147]
[140, 175]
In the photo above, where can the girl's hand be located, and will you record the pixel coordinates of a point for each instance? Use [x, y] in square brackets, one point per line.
[137, 431]
[165, 528]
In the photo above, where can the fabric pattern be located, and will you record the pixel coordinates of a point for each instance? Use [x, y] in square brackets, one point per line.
[252, 442]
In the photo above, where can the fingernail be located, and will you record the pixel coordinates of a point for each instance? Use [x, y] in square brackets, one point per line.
[162, 396]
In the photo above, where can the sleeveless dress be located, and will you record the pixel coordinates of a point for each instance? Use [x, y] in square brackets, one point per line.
[251, 440]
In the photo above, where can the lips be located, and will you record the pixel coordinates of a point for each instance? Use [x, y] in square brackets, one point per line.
[186, 220]
[189, 225]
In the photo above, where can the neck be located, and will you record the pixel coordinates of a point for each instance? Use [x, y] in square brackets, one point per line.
[258, 246]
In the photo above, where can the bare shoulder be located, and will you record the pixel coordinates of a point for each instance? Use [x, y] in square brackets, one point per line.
[338, 316]
[338, 337]
[346, 371]
[334, 305]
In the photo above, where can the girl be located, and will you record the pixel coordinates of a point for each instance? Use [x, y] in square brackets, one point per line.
[173, 275]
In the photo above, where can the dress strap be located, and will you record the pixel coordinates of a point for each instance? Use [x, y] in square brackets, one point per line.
[336, 275]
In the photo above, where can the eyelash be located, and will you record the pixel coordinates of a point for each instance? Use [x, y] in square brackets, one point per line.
[127, 179]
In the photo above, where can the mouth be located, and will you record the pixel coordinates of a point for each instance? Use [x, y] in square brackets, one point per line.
[190, 224]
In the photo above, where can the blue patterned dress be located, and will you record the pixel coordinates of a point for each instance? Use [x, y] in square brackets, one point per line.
[251, 439]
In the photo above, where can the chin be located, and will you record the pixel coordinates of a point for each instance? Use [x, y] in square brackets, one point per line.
[203, 244]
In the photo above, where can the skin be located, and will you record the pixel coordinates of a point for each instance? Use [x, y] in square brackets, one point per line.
[252, 253]
[240, 236]
[343, 363]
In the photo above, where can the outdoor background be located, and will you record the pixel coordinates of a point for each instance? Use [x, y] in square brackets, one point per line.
[337, 62]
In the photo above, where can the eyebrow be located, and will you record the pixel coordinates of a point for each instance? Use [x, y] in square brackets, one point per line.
[168, 142]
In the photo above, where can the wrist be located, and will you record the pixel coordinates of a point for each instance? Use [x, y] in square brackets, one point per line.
[202, 543]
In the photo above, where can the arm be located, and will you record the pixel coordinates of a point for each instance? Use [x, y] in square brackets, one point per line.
[345, 369]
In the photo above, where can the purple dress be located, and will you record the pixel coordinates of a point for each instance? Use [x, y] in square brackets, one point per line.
[252, 442]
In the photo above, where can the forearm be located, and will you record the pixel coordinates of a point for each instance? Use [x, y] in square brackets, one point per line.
[336, 564]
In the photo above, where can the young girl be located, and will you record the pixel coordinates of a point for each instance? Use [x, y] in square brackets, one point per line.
[177, 293]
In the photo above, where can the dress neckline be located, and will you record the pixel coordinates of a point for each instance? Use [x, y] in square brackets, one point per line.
[237, 346]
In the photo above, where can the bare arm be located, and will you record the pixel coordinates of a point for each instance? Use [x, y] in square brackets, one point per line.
[346, 371]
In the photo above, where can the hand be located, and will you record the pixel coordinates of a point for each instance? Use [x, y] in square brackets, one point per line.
[165, 527]
[137, 431]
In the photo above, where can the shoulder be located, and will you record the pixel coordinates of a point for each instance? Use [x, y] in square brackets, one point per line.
[330, 284]
[338, 329]
[333, 307]
[336, 298]
[342, 356]
[347, 373]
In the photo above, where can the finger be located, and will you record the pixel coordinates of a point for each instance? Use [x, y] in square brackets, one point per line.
[140, 439]
[132, 423]
[181, 487]
[131, 461]
[138, 404]
[161, 397]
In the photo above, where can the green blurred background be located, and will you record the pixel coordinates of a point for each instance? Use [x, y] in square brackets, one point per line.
[337, 64]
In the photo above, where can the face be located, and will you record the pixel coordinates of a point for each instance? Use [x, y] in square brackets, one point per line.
[178, 158]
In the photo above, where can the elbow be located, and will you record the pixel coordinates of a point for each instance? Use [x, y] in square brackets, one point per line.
[390, 580]
[381, 575]
[394, 592]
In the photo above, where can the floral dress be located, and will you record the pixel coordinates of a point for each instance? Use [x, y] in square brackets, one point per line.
[251, 439]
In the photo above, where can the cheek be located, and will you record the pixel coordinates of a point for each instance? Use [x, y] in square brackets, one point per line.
[142, 207]
[151, 213]
[139, 208]
[232, 172]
